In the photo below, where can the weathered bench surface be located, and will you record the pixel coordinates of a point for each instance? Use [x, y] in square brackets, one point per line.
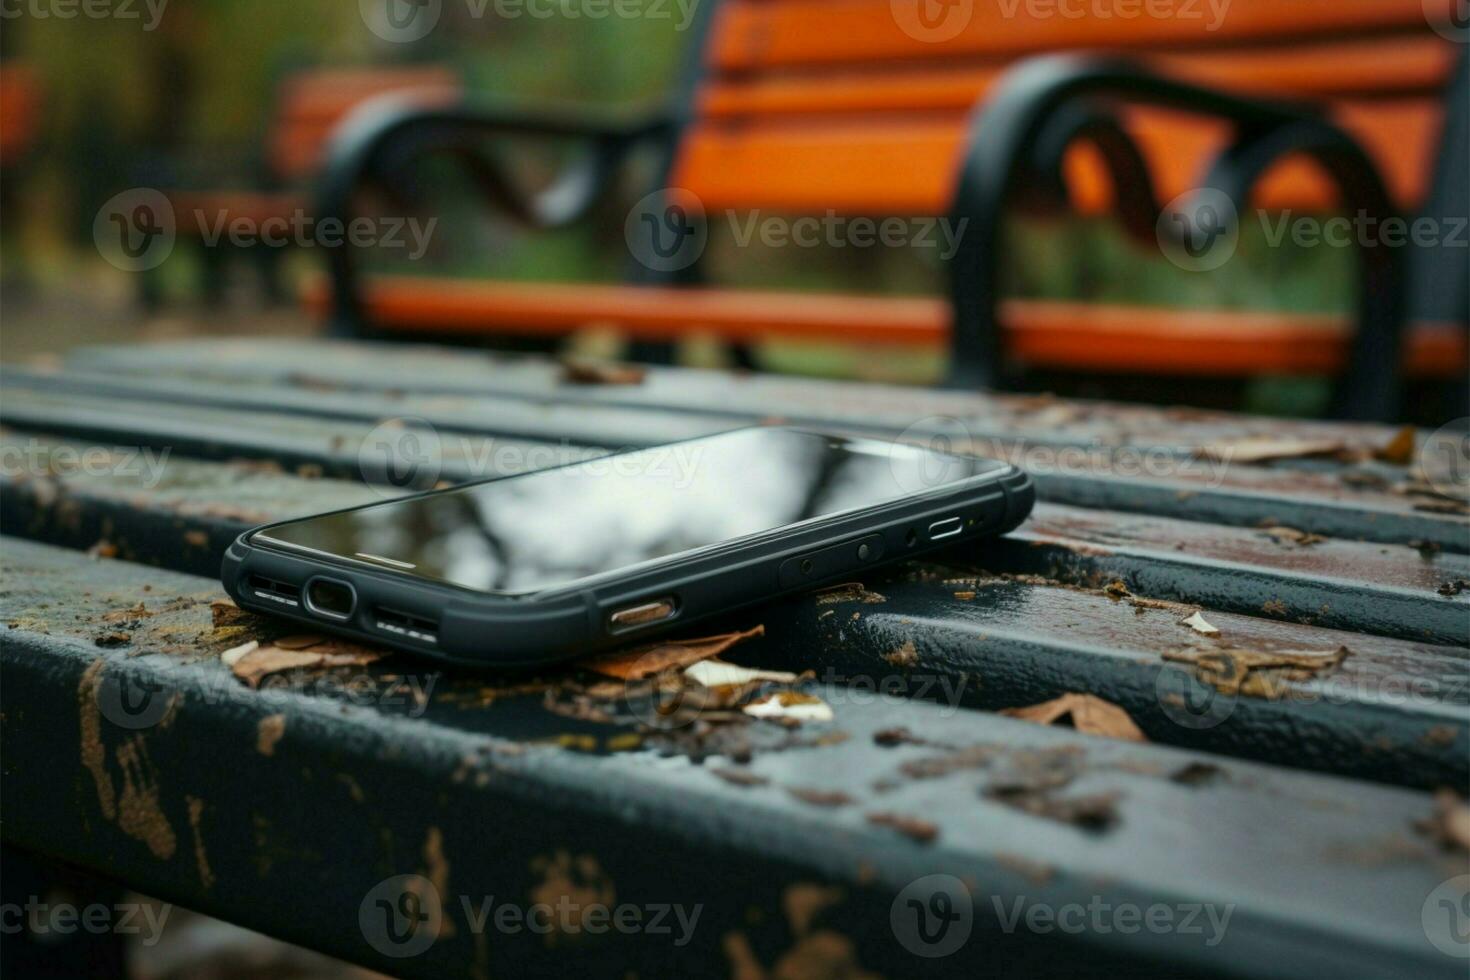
[1292, 774]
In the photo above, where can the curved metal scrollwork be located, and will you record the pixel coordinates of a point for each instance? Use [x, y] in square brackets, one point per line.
[1041, 108]
[381, 144]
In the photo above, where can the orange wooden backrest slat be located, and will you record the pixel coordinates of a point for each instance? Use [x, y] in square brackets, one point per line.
[900, 164]
[817, 104]
[754, 34]
[1043, 334]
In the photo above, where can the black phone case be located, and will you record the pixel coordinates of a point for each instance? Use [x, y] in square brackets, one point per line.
[478, 629]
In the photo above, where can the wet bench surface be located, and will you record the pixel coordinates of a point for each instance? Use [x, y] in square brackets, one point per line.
[1263, 626]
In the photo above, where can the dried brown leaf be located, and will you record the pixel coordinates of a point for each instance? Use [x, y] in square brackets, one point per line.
[580, 372]
[652, 658]
[1400, 449]
[1258, 449]
[1089, 714]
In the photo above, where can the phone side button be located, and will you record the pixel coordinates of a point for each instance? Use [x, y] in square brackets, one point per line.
[643, 614]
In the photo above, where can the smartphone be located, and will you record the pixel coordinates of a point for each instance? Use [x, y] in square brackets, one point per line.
[558, 563]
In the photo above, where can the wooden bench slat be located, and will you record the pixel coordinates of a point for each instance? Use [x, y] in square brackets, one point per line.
[183, 513]
[1411, 64]
[1028, 640]
[760, 34]
[905, 163]
[656, 829]
[1040, 334]
[1135, 459]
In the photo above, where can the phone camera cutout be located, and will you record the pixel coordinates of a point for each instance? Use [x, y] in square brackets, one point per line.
[330, 598]
[806, 566]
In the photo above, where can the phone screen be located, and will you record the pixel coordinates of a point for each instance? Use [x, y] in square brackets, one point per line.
[551, 528]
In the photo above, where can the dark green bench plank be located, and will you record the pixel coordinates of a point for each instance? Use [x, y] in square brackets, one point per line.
[427, 369]
[1013, 643]
[334, 446]
[1316, 499]
[293, 841]
[1390, 590]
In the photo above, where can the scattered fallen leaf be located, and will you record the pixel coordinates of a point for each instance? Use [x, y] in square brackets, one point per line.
[889, 737]
[904, 656]
[131, 614]
[268, 732]
[652, 658]
[1399, 450]
[580, 372]
[1257, 673]
[1096, 812]
[920, 830]
[1448, 589]
[300, 641]
[113, 638]
[934, 766]
[965, 596]
[1199, 624]
[102, 549]
[1196, 774]
[1449, 825]
[820, 797]
[848, 592]
[718, 673]
[1291, 536]
[1257, 449]
[255, 664]
[223, 612]
[790, 706]
[740, 777]
[232, 656]
[1088, 714]
[1116, 590]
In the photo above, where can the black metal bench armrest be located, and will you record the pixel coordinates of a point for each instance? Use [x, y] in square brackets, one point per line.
[381, 141]
[1043, 105]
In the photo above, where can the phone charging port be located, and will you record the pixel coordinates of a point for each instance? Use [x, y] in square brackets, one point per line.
[330, 599]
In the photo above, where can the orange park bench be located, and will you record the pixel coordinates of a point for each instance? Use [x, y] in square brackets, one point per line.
[879, 108]
[309, 105]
